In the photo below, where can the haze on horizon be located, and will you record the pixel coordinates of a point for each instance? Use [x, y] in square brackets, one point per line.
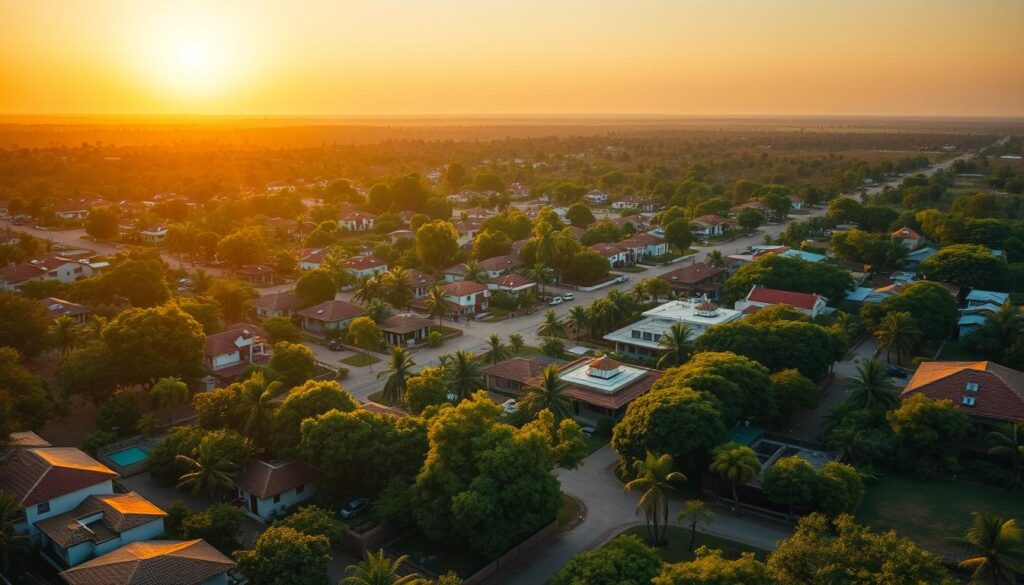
[463, 57]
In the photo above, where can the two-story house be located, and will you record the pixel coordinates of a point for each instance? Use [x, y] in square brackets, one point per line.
[498, 265]
[420, 281]
[617, 255]
[708, 226]
[155, 562]
[228, 353]
[311, 258]
[467, 298]
[645, 246]
[356, 221]
[699, 279]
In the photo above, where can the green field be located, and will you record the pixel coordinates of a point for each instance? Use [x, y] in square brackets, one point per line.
[359, 360]
[676, 548]
[932, 512]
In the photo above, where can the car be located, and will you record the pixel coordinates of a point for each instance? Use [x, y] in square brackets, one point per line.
[353, 508]
[622, 279]
[588, 430]
[895, 372]
[556, 301]
[568, 296]
[334, 345]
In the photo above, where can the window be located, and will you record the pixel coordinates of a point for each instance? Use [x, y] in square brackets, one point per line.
[968, 401]
[300, 489]
[648, 336]
[972, 386]
[43, 508]
[657, 337]
[277, 499]
[634, 334]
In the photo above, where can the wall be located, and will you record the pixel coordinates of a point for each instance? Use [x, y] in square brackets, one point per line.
[290, 499]
[64, 503]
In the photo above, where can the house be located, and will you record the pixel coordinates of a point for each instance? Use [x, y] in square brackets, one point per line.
[71, 211]
[312, 258]
[328, 317]
[268, 490]
[465, 299]
[47, 481]
[908, 238]
[97, 526]
[510, 377]
[396, 235]
[256, 274]
[228, 353]
[468, 230]
[708, 226]
[513, 284]
[191, 562]
[758, 206]
[642, 338]
[602, 387]
[640, 221]
[986, 391]
[518, 191]
[796, 203]
[25, 440]
[498, 265]
[628, 202]
[155, 235]
[804, 255]
[981, 304]
[699, 279]
[916, 257]
[463, 197]
[12, 277]
[405, 329]
[617, 255]
[364, 266]
[760, 297]
[645, 246]
[476, 213]
[596, 196]
[420, 281]
[356, 221]
[456, 272]
[60, 308]
[282, 304]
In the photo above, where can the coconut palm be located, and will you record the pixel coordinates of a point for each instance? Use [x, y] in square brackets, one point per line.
[542, 275]
[1008, 444]
[602, 316]
[657, 288]
[694, 513]
[516, 342]
[897, 331]
[334, 263]
[12, 542]
[871, 388]
[999, 545]
[496, 351]
[622, 305]
[551, 326]
[550, 394]
[201, 280]
[547, 244]
[368, 288]
[399, 289]
[736, 463]
[64, 335]
[640, 291]
[377, 569]
[475, 272]
[258, 393]
[464, 373]
[398, 374]
[998, 333]
[654, 476]
[437, 304]
[578, 319]
[169, 393]
[94, 326]
[716, 259]
[378, 311]
[210, 470]
[677, 343]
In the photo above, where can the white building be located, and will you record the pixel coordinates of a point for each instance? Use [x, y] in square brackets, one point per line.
[356, 221]
[642, 337]
[269, 489]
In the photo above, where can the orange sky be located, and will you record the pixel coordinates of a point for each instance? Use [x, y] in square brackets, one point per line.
[373, 57]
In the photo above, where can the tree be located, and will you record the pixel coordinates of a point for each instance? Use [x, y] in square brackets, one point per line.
[398, 374]
[232, 295]
[694, 513]
[716, 259]
[928, 431]
[543, 275]
[579, 215]
[162, 462]
[578, 320]
[64, 335]
[489, 244]
[749, 219]
[823, 551]
[437, 303]
[169, 393]
[246, 245]
[794, 391]
[437, 244]
[428, 388]
[549, 394]
[587, 266]
[677, 344]
[148, 344]
[793, 274]
[933, 309]
[997, 338]
[496, 351]
[839, 489]
[220, 525]
[315, 287]
[258, 393]
[552, 326]
[625, 560]
[999, 545]
[307, 401]
[742, 386]
[216, 463]
[515, 341]
[102, 224]
[710, 567]
[281, 329]
[897, 331]
[738, 464]
[1008, 443]
[13, 543]
[283, 556]
[23, 324]
[377, 569]
[314, 521]
[86, 373]
[552, 347]
[872, 388]
[205, 311]
[679, 235]
[464, 374]
[293, 363]
[791, 482]
[378, 310]
[654, 477]
[967, 265]
[364, 334]
[673, 420]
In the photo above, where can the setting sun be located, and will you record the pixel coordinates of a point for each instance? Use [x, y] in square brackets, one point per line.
[192, 56]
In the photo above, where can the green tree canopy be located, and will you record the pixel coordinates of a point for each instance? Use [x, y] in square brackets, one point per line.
[741, 385]
[711, 568]
[23, 324]
[673, 420]
[967, 265]
[792, 274]
[292, 363]
[147, 344]
[309, 400]
[316, 286]
[284, 556]
[625, 560]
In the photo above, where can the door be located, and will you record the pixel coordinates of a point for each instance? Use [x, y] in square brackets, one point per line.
[254, 505]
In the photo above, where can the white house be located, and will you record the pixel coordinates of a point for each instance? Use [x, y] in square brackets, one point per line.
[760, 297]
[643, 337]
[356, 221]
[596, 196]
[617, 255]
[228, 353]
[154, 235]
[312, 258]
[498, 265]
[365, 266]
[465, 299]
[708, 226]
[645, 246]
[269, 489]
[14, 276]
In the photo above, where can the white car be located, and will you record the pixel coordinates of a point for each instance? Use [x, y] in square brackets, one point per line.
[556, 301]
[568, 296]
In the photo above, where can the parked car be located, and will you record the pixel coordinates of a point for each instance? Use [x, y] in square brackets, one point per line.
[588, 430]
[895, 372]
[568, 297]
[622, 279]
[353, 508]
[556, 301]
[334, 345]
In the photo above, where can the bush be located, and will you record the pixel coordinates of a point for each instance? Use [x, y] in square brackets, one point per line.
[435, 339]
[97, 440]
[342, 373]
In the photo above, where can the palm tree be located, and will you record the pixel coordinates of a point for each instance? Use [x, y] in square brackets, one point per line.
[259, 393]
[64, 334]
[999, 545]
[602, 316]
[716, 259]
[736, 463]
[169, 393]
[547, 244]
[398, 375]
[552, 326]
[400, 290]
[640, 291]
[657, 288]
[997, 333]
[496, 351]
[579, 320]
[334, 262]
[694, 512]
[464, 373]
[515, 341]
[897, 331]
[368, 287]
[474, 272]
[378, 310]
[94, 326]
[654, 477]
[871, 388]
[201, 280]
[550, 394]
[377, 569]
[1008, 443]
[437, 304]
[12, 543]
[542, 275]
[622, 305]
[677, 343]
[211, 471]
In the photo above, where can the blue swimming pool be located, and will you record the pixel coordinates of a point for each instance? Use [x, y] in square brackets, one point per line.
[129, 456]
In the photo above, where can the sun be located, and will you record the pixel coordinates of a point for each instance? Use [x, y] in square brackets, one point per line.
[192, 56]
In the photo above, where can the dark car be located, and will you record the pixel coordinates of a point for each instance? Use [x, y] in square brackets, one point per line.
[353, 508]
[894, 372]
[334, 345]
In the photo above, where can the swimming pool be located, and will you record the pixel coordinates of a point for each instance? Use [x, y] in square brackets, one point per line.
[129, 456]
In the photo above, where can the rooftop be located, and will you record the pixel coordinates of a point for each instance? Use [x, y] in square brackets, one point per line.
[331, 311]
[191, 562]
[40, 474]
[982, 389]
[267, 479]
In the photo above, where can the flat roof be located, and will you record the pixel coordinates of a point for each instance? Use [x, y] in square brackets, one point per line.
[626, 375]
[686, 312]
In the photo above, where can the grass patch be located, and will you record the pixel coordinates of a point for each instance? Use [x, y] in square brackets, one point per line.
[632, 269]
[594, 442]
[525, 351]
[571, 513]
[359, 360]
[379, 398]
[443, 329]
[676, 548]
[930, 512]
[438, 558]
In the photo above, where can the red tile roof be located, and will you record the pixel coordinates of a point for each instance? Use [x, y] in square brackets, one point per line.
[224, 342]
[771, 296]
[906, 233]
[607, 250]
[356, 215]
[282, 301]
[58, 307]
[313, 255]
[41, 474]
[521, 369]
[604, 363]
[692, 274]
[266, 480]
[639, 240]
[710, 219]
[331, 311]
[420, 279]
[501, 263]
[21, 272]
[364, 262]
[120, 513]
[464, 288]
[512, 281]
[1000, 393]
[153, 562]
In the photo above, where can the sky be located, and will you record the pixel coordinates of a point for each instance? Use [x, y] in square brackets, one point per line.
[484, 57]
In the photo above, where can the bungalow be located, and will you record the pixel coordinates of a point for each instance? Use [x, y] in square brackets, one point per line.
[986, 391]
[365, 266]
[640, 221]
[708, 226]
[98, 525]
[420, 281]
[405, 329]
[356, 221]
[71, 211]
[466, 298]
[397, 235]
[513, 284]
[602, 387]
[64, 269]
[270, 489]
[645, 246]
[476, 213]
[456, 272]
[191, 562]
[47, 481]
[760, 297]
[60, 308]
[498, 265]
[758, 206]
[699, 279]
[596, 196]
[908, 238]
[155, 235]
[328, 317]
[12, 277]
[256, 274]
[228, 353]
[312, 258]
[510, 377]
[282, 304]
[617, 255]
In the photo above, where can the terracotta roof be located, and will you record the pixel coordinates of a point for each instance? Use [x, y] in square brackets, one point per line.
[692, 274]
[710, 219]
[281, 301]
[154, 562]
[120, 513]
[512, 281]
[58, 307]
[404, 323]
[639, 240]
[21, 272]
[51, 262]
[457, 269]
[331, 311]
[313, 255]
[224, 342]
[604, 363]
[469, 225]
[266, 480]
[607, 249]
[601, 399]
[464, 288]
[771, 296]
[364, 262]
[501, 263]
[999, 395]
[521, 369]
[906, 234]
[40, 474]
[27, 439]
[420, 279]
[356, 215]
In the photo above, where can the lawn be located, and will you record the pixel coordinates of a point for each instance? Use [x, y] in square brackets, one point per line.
[443, 329]
[359, 360]
[438, 558]
[594, 442]
[633, 269]
[676, 550]
[930, 512]
[378, 397]
[525, 351]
